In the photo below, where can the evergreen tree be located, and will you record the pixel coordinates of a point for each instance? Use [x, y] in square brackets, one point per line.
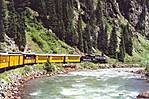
[2, 31]
[128, 40]
[103, 40]
[99, 16]
[52, 19]
[21, 38]
[60, 26]
[71, 35]
[86, 49]
[113, 44]
[5, 16]
[12, 19]
[87, 38]
[121, 54]
[80, 43]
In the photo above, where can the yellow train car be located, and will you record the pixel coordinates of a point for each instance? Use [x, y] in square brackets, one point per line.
[15, 59]
[72, 58]
[41, 58]
[56, 58]
[29, 58]
[4, 60]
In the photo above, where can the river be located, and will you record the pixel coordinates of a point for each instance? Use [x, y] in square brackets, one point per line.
[113, 83]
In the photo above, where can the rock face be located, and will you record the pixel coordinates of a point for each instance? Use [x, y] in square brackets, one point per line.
[85, 24]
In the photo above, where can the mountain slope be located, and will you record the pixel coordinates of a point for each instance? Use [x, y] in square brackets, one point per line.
[117, 28]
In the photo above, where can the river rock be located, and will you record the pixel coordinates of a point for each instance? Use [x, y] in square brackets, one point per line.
[143, 95]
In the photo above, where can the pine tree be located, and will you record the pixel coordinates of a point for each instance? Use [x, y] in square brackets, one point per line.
[103, 40]
[86, 49]
[12, 19]
[52, 19]
[80, 43]
[68, 20]
[128, 40]
[99, 16]
[113, 44]
[5, 16]
[87, 38]
[2, 30]
[121, 54]
[61, 32]
[21, 38]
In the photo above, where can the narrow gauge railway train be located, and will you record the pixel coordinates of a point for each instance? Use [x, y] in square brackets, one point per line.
[13, 60]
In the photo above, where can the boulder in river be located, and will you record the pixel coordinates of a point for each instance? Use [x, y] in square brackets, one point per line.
[143, 95]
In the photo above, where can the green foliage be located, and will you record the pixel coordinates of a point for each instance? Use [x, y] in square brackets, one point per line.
[52, 67]
[39, 67]
[121, 54]
[88, 65]
[2, 20]
[36, 38]
[113, 44]
[145, 63]
[27, 69]
[80, 31]
[128, 39]
[5, 76]
[103, 40]
[147, 67]
[140, 50]
[42, 40]
[87, 40]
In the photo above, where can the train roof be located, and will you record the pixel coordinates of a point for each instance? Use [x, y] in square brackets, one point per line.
[42, 54]
[19, 53]
[28, 53]
[14, 52]
[72, 55]
[3, 53]
[62, 55]
[9, 54]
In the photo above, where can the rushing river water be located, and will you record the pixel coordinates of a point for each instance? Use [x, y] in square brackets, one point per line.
[96, 84]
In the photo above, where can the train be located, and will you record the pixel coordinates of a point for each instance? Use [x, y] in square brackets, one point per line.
[14, 60]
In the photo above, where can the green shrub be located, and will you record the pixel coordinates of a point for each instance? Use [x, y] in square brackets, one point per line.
[147, 66]
[5, 76]
[37, 39]
[52, 67]
[27, 69]
[39, 67]
[88, 65]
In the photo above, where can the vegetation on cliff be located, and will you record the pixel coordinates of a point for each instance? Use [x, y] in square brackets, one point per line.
[92, 26]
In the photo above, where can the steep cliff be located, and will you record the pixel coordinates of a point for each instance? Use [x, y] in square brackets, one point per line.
[118, 28]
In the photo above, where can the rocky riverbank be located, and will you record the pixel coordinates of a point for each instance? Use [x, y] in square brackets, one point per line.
[13, 90]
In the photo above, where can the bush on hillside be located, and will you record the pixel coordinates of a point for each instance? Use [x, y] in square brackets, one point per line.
[88, 65]
[52, 67]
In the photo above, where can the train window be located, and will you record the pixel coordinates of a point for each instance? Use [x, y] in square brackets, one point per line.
[4, 59]
[29, 57]
[73, 57]
[42, 58]
[57, 58]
